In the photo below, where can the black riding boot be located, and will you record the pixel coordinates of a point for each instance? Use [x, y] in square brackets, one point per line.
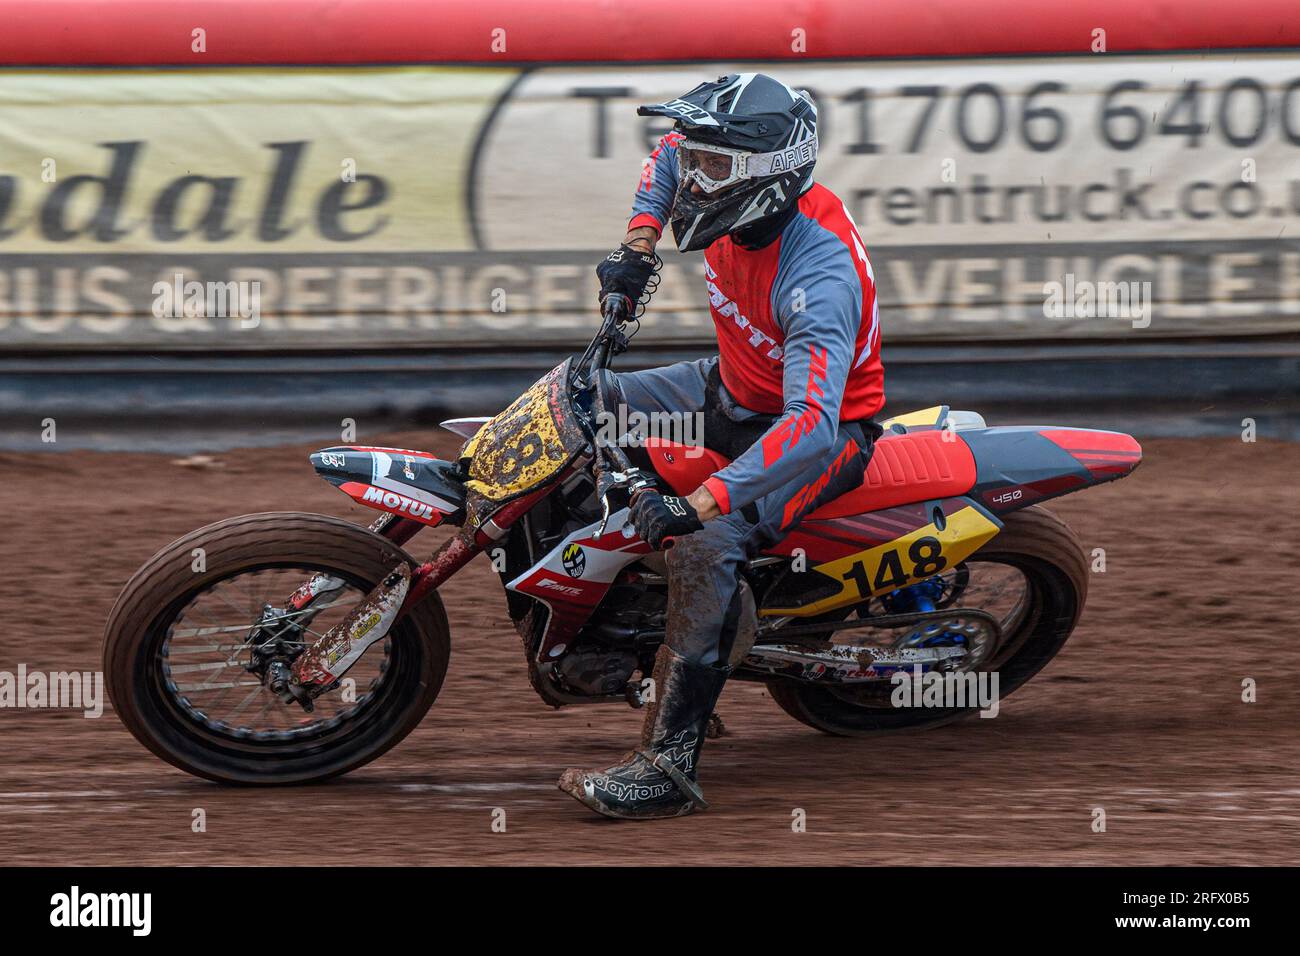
[659, 779]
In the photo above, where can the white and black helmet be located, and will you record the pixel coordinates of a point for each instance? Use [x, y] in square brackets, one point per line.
[749, 142]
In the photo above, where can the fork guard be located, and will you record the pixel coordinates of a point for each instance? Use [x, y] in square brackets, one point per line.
[338, 648]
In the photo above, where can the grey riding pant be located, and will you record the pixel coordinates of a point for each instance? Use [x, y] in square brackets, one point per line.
[705, 607]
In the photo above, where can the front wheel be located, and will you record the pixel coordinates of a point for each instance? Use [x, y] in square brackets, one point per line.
[177, 649]
[1033, 577]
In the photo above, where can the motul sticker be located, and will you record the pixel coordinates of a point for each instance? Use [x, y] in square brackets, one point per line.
[401, 504]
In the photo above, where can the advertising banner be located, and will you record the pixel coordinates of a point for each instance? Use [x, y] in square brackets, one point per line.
[1030, 198]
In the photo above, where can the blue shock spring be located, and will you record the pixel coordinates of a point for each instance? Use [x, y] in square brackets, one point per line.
[919, 598]
[915, 598]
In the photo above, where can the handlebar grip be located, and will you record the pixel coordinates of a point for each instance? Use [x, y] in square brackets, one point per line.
[644, 490]
[615, 306]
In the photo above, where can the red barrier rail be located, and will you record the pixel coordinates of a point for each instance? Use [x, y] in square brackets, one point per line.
[161, 32]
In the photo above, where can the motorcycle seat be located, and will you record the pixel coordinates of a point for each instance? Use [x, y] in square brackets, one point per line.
[918, 466]
[904, 468]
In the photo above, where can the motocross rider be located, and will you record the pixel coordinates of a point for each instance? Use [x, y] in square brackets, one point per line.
[789, 397]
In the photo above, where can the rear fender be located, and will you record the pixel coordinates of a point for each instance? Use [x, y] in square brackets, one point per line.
[1023, 464]
[401, 481]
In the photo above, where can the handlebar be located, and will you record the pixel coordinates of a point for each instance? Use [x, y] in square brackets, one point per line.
[611, 465]
[614, 312]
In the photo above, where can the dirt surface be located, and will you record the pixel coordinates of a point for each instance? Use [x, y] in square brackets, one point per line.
[1140, 715]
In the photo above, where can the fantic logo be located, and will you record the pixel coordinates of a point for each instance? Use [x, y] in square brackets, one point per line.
[1083, 299]
[551, 585]
[803, 498]
[392, 501]
[74, 909]
[932, 689]
[790, 429]
[726, 308]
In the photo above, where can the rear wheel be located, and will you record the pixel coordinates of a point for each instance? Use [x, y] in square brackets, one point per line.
[177, 646]
[1033, 577]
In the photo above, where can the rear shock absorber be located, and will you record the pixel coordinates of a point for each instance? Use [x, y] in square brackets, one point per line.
[915, 598]
[919, 598]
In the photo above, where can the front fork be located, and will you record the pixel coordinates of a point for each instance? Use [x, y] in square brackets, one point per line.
[274, 658]
[321, 664]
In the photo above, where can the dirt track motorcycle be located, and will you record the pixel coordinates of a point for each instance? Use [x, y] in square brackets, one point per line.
[287, 647]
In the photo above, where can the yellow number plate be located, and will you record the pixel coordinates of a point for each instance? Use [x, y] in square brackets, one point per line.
[912, 557]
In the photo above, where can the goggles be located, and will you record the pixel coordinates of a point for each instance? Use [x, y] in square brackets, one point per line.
[717, 167]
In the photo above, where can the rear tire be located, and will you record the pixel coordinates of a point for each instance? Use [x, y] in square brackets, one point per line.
[1049, 554]
[419, 648]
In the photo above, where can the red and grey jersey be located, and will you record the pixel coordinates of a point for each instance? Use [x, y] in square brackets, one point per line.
[798, 330]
